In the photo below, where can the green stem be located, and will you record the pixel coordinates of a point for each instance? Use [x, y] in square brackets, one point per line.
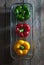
[22, 47]
[21, 30]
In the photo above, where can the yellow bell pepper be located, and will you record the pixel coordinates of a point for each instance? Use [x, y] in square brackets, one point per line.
[21, 47]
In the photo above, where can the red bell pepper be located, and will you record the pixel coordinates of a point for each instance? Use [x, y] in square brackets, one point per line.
[22, 30]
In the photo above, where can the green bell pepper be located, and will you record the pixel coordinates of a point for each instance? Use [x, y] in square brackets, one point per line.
[22, 12]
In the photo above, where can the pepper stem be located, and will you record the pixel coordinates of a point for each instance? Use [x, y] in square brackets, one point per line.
[22, 47]
[21, 30]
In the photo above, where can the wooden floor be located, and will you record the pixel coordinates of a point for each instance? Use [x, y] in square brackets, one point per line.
[38, 34]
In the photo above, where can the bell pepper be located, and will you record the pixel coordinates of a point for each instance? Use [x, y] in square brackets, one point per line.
[22, 12]
[21, 47]
[22, 30]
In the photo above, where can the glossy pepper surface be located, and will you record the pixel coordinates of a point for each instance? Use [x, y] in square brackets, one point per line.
[21, 47]
[22, 30]
[22, 12]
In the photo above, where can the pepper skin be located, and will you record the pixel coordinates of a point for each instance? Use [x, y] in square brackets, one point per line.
[22, 30]
[22, 12]
[21, 47]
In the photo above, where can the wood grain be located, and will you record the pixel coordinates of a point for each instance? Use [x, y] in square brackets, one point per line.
[38, 33]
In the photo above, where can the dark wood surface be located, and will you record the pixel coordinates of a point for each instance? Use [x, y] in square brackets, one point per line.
[5, 58]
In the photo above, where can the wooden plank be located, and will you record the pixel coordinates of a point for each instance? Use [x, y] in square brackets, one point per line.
[2, 2]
